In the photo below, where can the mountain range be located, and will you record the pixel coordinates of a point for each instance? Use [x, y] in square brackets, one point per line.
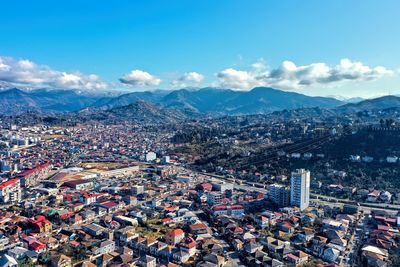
[205, 101]
[380, 103]
[15, 100]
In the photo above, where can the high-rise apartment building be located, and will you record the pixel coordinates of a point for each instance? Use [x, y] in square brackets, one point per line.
[300, 188]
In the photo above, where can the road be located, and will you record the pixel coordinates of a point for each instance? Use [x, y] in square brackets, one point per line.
[366, 210]
[335, 202]
[365, 204]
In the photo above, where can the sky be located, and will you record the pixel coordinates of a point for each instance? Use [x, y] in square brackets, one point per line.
[328, 48]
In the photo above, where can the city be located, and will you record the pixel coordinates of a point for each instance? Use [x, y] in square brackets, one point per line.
[200, 133]
[98, 194]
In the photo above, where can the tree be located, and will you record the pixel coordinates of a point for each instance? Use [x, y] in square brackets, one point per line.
[26, 263]
[44, 257]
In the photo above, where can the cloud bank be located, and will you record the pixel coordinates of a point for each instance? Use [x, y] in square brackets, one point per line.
[27, 72]
[291, 76]
[287, 76]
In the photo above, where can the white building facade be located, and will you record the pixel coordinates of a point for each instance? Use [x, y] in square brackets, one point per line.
[300, 188]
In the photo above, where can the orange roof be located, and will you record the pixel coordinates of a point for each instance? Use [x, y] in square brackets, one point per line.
[198, 226]
[176, 232]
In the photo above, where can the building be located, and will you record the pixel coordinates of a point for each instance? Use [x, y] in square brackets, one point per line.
[165, 160]
[40, 224]
[174, 236]
[104, 247]
[215, 198]
[147, 261]
[10, 191]
[236, 211]
[5, 166]
[4, 242]
[120, 172]
[279, 194]
[222, 187]
[297, 258]
[300, 188]
[109, 206]
[204, 187]
[137, 190]
[151, 156]
[32, 177]
[94, 229]
[373, 196]
[80, 184]
[17, 252]
[392, 159]
[61, 260]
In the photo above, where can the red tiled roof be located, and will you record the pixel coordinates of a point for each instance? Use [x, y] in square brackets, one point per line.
[383, 227]
[34, 170]
[188, 243]
[8, 183]
[36, 245]
[294, 257]
[109, 204]
[172, 208]
[74, 243]
[176, 232]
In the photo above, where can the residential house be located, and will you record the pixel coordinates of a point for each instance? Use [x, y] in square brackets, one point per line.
[147, 261]
[104, 247]
[297, 258]
[174, 236]
[61, 260]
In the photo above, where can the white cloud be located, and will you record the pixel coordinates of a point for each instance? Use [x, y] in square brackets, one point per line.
[192, 77]
[237, 79]
[291, 76]
[260, 65]
[140, 78]
[29, 73]
[188, 78]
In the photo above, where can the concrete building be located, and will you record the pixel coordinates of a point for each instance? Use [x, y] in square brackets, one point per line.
[215, 198]
[165, 160]
[104, 247]
[31, 177]
[300, 188]
[137, 190]
[236, 211]
[80, 184]
[279, 194]
[222, 187]
[151, 156]
[10, 191]
[5, 166]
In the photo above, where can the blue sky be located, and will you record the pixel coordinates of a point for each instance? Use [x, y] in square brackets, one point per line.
[139, 45]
